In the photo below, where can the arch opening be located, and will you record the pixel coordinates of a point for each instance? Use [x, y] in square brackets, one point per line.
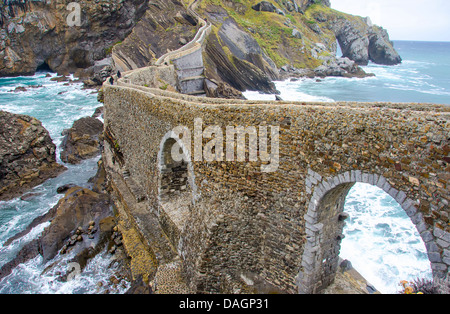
[326, 219]
[175, 189]
[381, 241]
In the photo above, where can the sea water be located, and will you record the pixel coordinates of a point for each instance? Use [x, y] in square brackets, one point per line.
[422, 77]
[381, 241]
[57, 105]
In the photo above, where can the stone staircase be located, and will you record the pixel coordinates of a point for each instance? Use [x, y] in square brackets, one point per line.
[190, 71]
[188, 60]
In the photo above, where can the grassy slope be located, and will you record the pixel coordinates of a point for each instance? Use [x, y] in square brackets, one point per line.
[274, 32]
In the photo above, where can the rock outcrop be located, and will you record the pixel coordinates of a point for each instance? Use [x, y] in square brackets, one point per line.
[82, 222]
[36, 34]
[27, 155]
[340, 67]
[249, 42]
[381, 49]
[222, 90]
[82, 141]
[80, 208]
[360, 40]
[264, 6]
[233, 56]
[165, 26]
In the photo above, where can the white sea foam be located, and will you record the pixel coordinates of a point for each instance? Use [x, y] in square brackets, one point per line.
[381, 241]
[35, 276]
[289, 91]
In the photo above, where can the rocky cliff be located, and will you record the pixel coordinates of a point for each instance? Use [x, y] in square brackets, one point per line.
[251, 44]
[165, 26]
[254, 43]
[82, 141]
[36, 34]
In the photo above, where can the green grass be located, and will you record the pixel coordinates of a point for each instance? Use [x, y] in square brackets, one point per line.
[275, 37]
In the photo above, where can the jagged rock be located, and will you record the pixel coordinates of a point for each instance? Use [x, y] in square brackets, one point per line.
[233, 56]
[36, 34]
[381, 49]
[340, 67]
[98, 112]
[362, 43]
[102, 72]
[82, 141]
[77, 208]
[222, 90]
[158, 32]
[27, 155]
[64, 188]
[264, 6]
[296, 33]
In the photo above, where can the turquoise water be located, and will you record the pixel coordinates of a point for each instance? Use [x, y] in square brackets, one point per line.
[57, 105]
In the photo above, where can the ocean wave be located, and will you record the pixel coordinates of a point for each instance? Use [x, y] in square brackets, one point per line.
[35, 276]
[381, 241]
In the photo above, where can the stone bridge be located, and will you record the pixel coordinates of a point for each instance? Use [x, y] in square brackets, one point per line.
[236, 220]
[230, 221]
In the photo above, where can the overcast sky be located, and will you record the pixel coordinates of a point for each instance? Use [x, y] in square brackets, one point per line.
[427, 20]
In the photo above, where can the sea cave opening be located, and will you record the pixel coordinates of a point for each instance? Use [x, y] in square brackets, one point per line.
[44, 67]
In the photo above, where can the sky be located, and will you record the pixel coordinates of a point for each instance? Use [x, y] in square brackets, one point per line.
[425, 20]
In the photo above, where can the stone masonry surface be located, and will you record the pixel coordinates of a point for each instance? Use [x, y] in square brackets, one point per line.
[284, 228]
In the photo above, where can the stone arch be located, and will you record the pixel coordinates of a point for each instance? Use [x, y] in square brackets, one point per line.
[176, 186]
[324, 223]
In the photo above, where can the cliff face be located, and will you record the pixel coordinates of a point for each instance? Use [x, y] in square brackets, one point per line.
[36, 34]
[251, 44]
[254, 43]
[360, 40]
[166, 25]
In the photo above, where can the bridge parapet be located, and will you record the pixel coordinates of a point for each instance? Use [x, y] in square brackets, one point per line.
[246, 223]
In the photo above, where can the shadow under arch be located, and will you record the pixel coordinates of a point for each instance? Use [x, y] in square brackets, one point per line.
[176, 189]
[324, 222]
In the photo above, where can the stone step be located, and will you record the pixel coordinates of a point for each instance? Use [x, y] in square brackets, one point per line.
[192, 84]
[199, 93]
[185, 73]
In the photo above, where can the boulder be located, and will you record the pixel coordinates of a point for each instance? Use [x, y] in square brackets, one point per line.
[296, 33]
[82, 141]
[264, 6]
[340, 67]
[27, 155]
[77, 209]
[222, 90]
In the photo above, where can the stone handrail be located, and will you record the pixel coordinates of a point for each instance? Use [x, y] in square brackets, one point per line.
[194, 44]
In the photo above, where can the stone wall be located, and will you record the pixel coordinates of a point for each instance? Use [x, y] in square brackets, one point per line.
[278, 228]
